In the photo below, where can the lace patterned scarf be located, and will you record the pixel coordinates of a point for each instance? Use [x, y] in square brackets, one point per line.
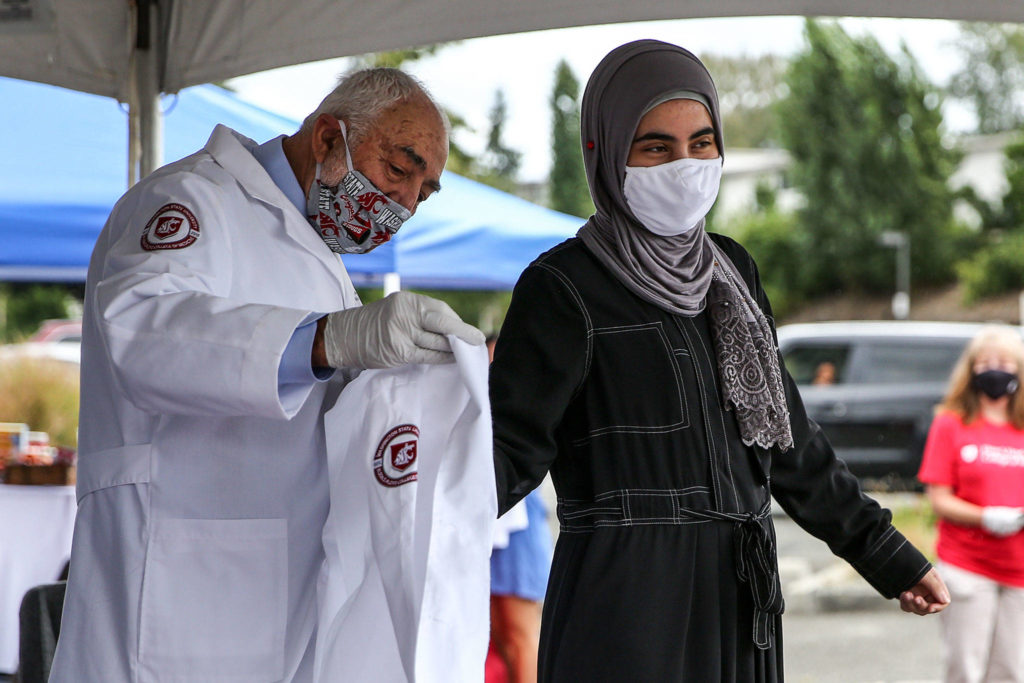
[748, 360]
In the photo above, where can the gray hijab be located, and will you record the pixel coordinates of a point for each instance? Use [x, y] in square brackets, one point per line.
[685, 273]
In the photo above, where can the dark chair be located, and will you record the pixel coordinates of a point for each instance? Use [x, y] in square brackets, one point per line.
[39, 620]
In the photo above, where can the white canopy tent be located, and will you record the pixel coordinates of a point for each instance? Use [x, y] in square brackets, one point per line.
[134, 50]
[90, 45]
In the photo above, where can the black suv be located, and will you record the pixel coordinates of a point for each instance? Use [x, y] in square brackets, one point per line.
[873, 387]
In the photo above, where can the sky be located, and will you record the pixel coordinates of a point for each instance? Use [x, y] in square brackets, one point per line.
[464, 76]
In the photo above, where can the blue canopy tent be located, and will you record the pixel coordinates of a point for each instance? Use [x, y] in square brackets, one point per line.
[63, 165]
[467, 236]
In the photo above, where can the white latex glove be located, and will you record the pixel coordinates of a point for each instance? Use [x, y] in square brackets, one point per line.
[399, 329]
[1002, 521]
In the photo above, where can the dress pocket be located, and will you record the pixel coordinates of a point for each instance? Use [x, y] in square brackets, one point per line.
[214, 600]
[635, 382]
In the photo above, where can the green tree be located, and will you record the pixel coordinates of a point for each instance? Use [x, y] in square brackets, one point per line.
[864, 131]
[395, 59]
[748, 90]
[27, 306]
[992, 76]
[996, 268]
[500, 163]
[996, 265]
[567, 183]
[1008, 212]
[459, 160]
[779, 248]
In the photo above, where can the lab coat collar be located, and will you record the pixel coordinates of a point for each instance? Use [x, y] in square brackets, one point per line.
[233, 151]
[275, 162]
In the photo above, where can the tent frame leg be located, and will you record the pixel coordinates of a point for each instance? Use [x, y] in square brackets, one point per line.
[145, 123]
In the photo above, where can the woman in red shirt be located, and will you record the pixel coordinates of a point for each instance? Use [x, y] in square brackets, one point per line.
[973, 469]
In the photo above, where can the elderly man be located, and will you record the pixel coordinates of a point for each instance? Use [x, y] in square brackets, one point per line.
[219, 320]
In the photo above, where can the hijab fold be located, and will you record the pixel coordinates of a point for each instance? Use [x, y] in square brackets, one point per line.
[686, 273]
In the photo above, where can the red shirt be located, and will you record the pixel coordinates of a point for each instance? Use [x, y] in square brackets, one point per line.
[984, 465]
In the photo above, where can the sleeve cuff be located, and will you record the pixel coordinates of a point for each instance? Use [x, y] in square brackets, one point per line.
[892, 564]
[295, 375]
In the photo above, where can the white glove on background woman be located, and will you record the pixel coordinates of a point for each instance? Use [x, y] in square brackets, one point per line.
[1002, 521]
[399, 329]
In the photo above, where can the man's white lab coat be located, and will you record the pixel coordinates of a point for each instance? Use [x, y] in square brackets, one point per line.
[202, 496]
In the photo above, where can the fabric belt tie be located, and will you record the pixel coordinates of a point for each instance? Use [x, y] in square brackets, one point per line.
[756, 565]
[754, 540]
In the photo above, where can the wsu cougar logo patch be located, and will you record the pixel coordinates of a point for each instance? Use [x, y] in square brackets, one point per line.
[394, 462]
[173, 226]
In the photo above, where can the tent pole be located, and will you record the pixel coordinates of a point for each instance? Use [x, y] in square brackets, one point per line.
[133, 136]
[145, 124]
[392, 283]
[133, 105]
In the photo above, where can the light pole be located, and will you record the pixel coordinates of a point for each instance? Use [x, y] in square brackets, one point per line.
[900, 241]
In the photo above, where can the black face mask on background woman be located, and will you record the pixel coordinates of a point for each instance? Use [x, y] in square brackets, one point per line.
[995, 383]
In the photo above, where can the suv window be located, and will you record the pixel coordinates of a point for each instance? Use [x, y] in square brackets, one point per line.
[911, 361]
[818, 363]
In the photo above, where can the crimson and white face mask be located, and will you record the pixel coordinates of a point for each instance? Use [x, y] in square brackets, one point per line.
[355, 216]
[670, 199]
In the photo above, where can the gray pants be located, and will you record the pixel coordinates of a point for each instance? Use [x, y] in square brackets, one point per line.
[983, 629]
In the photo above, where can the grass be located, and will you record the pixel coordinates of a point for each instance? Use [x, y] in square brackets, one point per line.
[42, 393]
[913, 516]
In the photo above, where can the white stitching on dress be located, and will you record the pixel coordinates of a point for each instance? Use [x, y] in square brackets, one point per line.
[589, 326]
[682, 423]
[712, 451]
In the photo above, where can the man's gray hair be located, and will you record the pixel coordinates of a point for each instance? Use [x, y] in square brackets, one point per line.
[361, 96]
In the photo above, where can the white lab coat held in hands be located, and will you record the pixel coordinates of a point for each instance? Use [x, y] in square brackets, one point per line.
[405, 592]
[202, 484]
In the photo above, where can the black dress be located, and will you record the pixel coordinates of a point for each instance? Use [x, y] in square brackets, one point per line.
[665, 568]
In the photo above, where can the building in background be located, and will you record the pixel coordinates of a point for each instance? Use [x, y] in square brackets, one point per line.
[744, 170]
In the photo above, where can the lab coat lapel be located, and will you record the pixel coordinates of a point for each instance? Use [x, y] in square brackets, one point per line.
[232, 151]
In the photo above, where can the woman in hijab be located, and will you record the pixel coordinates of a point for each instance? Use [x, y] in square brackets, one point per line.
[638, 364]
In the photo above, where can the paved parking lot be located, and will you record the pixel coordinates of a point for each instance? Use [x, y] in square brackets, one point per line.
[837, 629]
[873, 646]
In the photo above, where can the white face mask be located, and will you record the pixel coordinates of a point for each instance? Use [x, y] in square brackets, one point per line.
[670, 199]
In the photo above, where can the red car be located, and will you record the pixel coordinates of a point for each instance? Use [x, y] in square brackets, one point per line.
[58, 331]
